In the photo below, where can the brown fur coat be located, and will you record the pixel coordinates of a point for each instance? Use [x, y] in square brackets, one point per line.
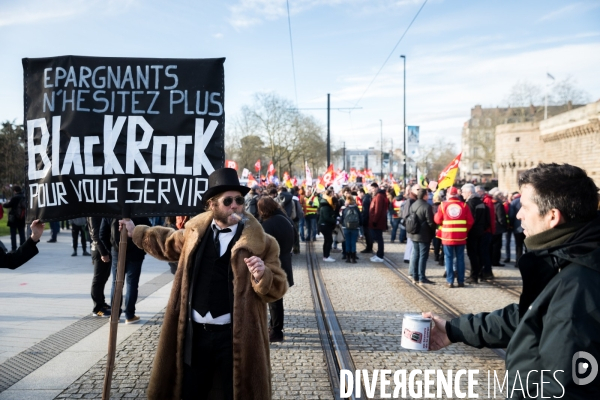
[251, 360]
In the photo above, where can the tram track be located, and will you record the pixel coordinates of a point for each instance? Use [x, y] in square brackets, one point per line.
[336, 351]
[442, 304]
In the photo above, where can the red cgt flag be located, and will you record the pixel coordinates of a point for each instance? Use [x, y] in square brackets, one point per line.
[231, 164]
[257, 166]
[329, 176]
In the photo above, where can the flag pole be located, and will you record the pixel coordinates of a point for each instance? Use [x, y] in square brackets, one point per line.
[115, 310]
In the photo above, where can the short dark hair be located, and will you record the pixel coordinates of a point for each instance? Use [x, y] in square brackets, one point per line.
[374, 184]
[17, 189]
[564, 187]
[422, 193]
[267, 207]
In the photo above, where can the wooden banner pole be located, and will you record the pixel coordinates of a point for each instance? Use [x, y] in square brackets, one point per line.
[114, 314]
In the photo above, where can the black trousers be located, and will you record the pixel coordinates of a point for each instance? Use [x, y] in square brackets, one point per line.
[276, 311]
[519, 240]
[377, 235]
[211, 372]
[368, 238]
[77, 230]
[473, 252]
[327, 232]
[101, 275]
[508, 234]
[496, 248]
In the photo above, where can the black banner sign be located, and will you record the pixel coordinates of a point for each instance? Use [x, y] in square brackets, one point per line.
[106, 135]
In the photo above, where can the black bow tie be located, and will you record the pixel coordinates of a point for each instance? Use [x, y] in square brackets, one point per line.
[217, 241]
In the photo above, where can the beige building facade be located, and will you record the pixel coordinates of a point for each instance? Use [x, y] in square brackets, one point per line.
[572, 137]
[478, 140]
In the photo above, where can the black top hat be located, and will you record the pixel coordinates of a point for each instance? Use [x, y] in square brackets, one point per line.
[222, 180]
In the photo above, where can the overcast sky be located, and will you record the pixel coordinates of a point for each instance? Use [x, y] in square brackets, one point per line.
[459, 53]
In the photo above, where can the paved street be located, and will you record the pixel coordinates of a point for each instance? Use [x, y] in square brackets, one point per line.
[49, 297]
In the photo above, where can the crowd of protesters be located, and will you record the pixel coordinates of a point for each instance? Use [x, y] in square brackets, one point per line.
[451, 222]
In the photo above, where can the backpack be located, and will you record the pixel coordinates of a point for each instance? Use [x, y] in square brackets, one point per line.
[412, 223]
[21, 209]
[352, 219]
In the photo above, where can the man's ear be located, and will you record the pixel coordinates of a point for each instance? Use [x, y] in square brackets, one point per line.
[556, 218]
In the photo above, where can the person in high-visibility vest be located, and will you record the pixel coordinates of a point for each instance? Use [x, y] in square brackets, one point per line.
[455, 219]
[310, 216]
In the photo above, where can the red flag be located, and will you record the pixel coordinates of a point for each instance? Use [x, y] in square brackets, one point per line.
[251, 181]
[271, 169]
[231, 164]
[447, 176]
[257, 166]
[329, 176]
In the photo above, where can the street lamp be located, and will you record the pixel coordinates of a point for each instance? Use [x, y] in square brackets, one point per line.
[405, 156]
[381, 156]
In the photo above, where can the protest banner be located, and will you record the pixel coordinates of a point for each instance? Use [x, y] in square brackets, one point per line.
[121, 137]
[105, 133]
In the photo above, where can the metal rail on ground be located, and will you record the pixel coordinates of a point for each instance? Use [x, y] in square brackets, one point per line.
[337, 354]
[431, 296]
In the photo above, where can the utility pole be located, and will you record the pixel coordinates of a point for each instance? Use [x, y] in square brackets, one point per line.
[392, 158]
[405, 155]
[381, 156]
[344, 155]
[328, 134]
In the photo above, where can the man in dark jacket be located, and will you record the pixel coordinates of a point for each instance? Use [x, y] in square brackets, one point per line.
[515, 223]
[554, 328]
[501, 226]
[421, 240]
[100, 248]
[378, 210]
[16, 222]
[366, 204]
[481, 219]
[133, 266]
[488, 235]
[277, 224]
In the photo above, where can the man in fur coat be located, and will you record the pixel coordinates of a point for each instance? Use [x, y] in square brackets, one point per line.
[215, 326]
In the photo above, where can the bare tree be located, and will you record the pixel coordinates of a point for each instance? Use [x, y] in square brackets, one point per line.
[272, 127]
[567, 90]
[433, 159]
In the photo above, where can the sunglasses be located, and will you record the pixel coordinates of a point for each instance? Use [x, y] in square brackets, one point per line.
[227, 201]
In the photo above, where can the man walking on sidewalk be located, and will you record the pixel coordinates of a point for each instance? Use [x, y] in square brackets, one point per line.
[365, 199]
[378, 210]
[421, 240]
[481, 220]
[455, 220]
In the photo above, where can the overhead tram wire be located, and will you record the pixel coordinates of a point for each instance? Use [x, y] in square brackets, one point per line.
[391, 53]
[292, 50]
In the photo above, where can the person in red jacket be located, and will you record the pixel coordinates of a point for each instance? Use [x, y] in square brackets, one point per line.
[488, 235]
[378, 218]
[455, 219]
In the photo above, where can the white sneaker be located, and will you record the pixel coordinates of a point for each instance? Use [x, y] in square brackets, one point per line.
[373, 258]
[376, 259]
[328, 259]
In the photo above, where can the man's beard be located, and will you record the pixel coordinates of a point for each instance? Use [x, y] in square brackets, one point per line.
[221, 216]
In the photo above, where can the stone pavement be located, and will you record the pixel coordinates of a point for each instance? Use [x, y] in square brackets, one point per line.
[369, 299]
[47, 300]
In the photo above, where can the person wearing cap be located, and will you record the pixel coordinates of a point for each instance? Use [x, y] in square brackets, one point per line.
[455, 220]
[215, 325]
